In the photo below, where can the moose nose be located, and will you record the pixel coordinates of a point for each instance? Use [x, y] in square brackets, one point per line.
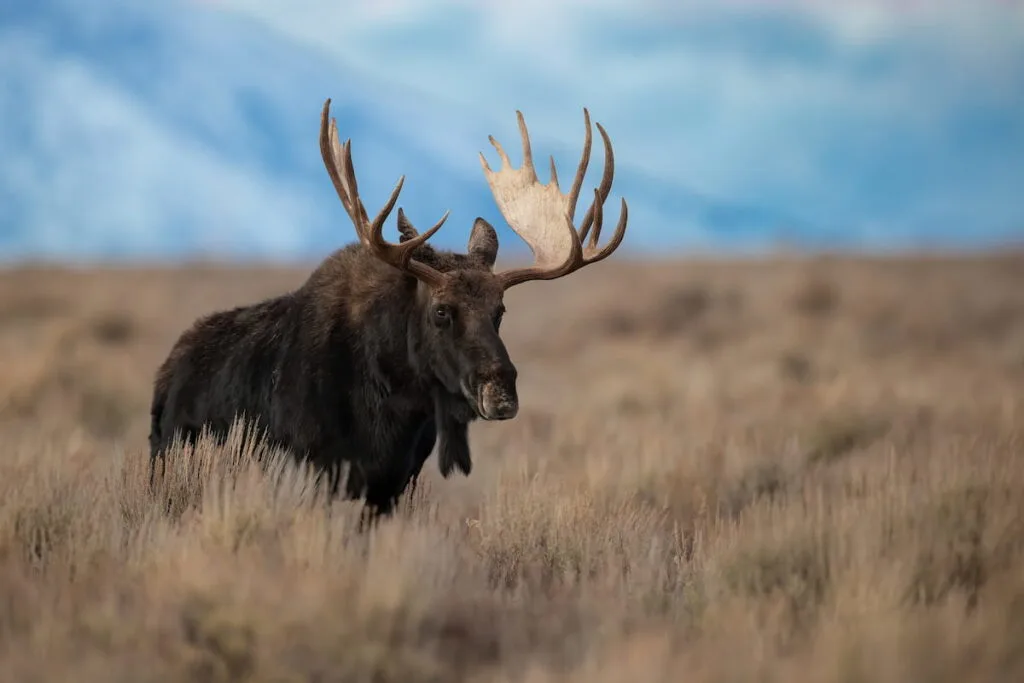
[497, 404]
[498, 400]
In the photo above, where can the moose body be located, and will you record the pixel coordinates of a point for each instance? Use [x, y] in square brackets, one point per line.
[387, 349]
[340, 367]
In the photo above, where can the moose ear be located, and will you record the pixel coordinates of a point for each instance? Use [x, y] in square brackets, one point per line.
[405, 227]
[483, 242]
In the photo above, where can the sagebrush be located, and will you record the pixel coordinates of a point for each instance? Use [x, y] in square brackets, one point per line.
[774, 471]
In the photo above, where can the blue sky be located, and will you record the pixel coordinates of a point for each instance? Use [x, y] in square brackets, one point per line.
[181, 128]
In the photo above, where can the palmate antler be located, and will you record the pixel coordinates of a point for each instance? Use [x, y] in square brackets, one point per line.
[543, 216]
[338, 160]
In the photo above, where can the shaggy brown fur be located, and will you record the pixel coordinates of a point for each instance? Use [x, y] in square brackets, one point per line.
[362, 365]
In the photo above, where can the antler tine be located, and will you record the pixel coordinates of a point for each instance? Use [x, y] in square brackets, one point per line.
[524, 135]
[581, 170]
[543, 216]
[620, 231]
[330, 150]
[338, 161]
[607, 177]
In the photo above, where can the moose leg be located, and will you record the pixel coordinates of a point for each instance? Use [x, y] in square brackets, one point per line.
[334, 478]
[187, 436]
[156, 442]
[153, 456]
[355, 481]
[381, 498]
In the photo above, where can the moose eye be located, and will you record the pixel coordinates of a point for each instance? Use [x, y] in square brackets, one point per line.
[442, 314]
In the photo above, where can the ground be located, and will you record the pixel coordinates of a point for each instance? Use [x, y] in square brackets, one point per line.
[798, 469]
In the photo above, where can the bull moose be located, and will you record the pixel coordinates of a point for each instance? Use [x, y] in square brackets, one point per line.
[386, 349]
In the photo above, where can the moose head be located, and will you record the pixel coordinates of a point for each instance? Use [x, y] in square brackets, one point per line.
[459, 298]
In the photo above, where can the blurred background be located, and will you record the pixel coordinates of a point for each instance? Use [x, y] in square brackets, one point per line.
[813, 457]
[184, 129]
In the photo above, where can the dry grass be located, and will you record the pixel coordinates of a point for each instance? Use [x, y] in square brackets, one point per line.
[790, 471]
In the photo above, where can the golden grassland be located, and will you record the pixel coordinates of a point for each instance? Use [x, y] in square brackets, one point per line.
[789, 470]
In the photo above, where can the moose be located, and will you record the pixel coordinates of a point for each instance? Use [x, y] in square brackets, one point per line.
[386, 349]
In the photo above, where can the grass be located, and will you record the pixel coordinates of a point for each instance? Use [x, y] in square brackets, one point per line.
[769, 471]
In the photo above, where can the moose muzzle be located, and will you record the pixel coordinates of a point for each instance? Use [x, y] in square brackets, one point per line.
[497, 403]
[496, 396]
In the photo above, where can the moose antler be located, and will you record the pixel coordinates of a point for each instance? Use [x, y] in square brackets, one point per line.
[542, 215]
[338, 160]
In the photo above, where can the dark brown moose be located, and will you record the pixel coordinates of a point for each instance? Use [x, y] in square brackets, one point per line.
[386, 348]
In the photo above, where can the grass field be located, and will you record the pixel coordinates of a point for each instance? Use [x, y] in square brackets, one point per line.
[803, 470]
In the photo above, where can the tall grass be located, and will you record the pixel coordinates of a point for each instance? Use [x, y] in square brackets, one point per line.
[665, 508]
